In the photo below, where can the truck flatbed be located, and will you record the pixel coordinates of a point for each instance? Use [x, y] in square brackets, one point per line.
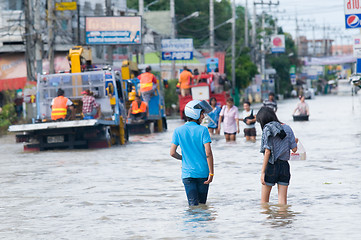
[60, 124]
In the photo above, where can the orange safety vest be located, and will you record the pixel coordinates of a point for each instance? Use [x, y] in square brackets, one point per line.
[59, 108]
[146, 81]
[136, 110]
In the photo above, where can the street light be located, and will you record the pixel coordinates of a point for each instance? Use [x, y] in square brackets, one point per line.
[222, 24]
[150, 4]
[174, 23]
[195, 14]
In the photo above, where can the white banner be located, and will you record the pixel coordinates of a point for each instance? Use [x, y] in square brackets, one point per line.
[357, 46]
[177, 49]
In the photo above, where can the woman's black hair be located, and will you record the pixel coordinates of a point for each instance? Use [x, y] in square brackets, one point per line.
[247, 102]
[211, 99]
[230, 99]
[266, 115]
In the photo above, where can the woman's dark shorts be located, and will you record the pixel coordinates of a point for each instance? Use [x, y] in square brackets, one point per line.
[249, 132]
[230, 133]
[279, 173]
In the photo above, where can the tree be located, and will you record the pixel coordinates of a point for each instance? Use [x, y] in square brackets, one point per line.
[282, 62]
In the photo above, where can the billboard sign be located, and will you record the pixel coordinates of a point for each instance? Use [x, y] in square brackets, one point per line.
[212, 64]
[113, 30]
[177, 49]
[357, 46]
[278, 44]
[352, 14]
[65, 6]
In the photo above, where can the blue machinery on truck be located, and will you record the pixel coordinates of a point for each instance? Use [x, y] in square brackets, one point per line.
[108, 130]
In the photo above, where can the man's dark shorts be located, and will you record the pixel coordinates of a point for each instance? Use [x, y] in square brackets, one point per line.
[279, 173]
[249, 132]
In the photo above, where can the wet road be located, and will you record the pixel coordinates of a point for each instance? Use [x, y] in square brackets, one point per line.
[135, 191]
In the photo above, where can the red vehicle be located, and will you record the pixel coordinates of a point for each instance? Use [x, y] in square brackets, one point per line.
[201, 91]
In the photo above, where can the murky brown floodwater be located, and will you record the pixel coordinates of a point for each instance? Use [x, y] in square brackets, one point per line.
[135, 191]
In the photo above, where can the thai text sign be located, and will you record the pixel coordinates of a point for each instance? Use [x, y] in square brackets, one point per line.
[352, 14]
[357, 46]
[177, 49]
[278, 44]
[113, 30]
[65, 6]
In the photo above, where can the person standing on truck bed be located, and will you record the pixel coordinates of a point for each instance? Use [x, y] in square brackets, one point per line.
[60, 105]
[148, 84]
[91, 108]
[185, 80]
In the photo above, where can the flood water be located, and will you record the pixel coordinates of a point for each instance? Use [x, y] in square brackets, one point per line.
[135, 191]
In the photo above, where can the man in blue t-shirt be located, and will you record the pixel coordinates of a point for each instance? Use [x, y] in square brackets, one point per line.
[197, 157]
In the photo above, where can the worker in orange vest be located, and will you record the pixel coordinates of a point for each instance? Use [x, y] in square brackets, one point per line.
[60, 105]
[185, 81]
[148, 84]
[138, 110]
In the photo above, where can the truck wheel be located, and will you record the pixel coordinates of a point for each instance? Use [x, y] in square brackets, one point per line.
[165, 126]
[126, 133]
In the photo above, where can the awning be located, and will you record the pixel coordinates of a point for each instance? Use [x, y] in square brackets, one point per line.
[14, 83]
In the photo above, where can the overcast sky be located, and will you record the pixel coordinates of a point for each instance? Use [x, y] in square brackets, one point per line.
[318, 13]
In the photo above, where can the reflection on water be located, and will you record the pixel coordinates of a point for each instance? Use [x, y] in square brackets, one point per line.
[278, 215]
[200, 213]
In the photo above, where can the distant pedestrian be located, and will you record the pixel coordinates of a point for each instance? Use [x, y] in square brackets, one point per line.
[218, 81]
[277, 140]
[249, 119]
[302, 107]
[214, 117]
[229, 114]
[271, 102]
[197, 157]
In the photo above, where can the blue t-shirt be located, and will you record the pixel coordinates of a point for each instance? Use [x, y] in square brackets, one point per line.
[191, 137]
[214, 115]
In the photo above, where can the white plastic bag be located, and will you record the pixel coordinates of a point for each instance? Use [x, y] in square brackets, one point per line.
[300, 154]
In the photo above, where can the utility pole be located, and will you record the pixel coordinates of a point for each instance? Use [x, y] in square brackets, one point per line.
[109, 12]
[297, 37]
[211, 27]
[234, 47]
[270, 3]
[262, 49]
[246, 24]
[28, 41]
[313, 41]
[38, 38]
[254, 27]
[141, 13]
[51, 36]
[172, 15]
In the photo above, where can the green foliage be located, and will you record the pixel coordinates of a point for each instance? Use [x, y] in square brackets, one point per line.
[7, 116]
[171, 97]
[198, 29]
[282, 62]
[245, 69]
